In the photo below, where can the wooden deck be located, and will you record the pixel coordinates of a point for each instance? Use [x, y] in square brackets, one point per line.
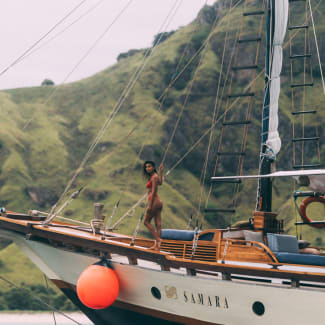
[219, 256]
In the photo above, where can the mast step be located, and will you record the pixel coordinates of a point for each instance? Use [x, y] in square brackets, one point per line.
[253, 13]
[246, 40]
[304, 112]
[231, 153]
[236, 181]
[298, 27]
[241, 95]
[305, 139]
[298, 56]
[306, 166]
[302, 85]
[236, 123]
[219, 210]
[244, 67]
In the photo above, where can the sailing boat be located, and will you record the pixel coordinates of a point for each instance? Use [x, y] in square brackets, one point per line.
[246, 274]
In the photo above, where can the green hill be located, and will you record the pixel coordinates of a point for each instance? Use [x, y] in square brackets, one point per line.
[46, 131]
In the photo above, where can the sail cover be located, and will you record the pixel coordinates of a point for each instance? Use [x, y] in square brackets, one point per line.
[280, 27]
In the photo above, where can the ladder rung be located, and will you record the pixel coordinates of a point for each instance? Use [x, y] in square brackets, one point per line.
[296, 0]
[298, 27]
[241, 95]
[303, 112]
[298, 56]
[253, 13]
[246, 40]
[306, 166]
[220, 210]
[236, 181]
[245, 67]
[302, 85]
[305, 139]
[231, 153]
[236, 123]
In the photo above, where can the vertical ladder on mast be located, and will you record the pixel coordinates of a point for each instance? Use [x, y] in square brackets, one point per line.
[305, 142]
[231, 149]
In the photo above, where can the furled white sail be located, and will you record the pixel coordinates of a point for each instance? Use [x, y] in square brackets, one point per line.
[280, 26]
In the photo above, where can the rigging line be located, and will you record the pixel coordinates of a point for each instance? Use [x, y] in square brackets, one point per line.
[91, 48]
[161, 100]
[117, 107]
[202, 48]
[63, 30]
[38, 299]
[148, 132]
[196, 53]
[220, 99]
[48, 296]
[174, 80]
[188, 92]
[204, 169]
[39, 40]
[316, 43]
[150, 53]
[84, 56]
[133, 79]
[240, 165]
[215, 110]
[186, 48]
[130, 85]
[208, 130]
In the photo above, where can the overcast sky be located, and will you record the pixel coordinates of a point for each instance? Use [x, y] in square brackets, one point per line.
[22, 23]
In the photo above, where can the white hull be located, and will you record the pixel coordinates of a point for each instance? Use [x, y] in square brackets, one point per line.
[199, 298]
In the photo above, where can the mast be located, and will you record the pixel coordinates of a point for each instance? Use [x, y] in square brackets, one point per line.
[264, 194]
[276, 25]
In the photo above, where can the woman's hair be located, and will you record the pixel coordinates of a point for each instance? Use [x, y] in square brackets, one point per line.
[145, 174]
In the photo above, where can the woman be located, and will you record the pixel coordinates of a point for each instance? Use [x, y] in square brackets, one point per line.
[154, 203]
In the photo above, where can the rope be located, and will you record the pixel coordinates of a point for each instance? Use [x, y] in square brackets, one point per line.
[48, 296]
[39, 40]
[84, 56]
[63, 30]
[130, 212]
[215, 113]
[140, 121]
[163, 96]
[91, 48]
[41, 301]
[316, 43]
[117, 107]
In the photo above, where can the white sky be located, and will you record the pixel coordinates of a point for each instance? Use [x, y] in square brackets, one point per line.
[23, 22]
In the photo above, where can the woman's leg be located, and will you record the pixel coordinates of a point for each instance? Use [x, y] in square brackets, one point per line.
[147, 220]
[158, 228]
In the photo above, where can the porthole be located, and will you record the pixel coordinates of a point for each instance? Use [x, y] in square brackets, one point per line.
[156, 293]
[258, 308]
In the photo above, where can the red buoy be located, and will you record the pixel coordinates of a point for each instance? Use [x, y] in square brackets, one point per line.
[98, 286]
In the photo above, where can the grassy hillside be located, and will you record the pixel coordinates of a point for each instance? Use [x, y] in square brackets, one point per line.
[46, 131]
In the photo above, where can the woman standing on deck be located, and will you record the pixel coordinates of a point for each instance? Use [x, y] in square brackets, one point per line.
[154, 203]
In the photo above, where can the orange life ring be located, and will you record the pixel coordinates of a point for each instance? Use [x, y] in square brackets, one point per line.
[303, 209]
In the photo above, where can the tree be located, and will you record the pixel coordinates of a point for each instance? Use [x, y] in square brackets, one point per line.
[47, 82]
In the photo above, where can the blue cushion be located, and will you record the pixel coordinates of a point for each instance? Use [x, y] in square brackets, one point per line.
[282, 243]
[175, 234]
[292, 258]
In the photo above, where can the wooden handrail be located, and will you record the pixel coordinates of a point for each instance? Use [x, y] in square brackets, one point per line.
[251, 242]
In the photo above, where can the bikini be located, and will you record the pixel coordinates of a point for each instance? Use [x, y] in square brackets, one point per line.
[149, 186]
